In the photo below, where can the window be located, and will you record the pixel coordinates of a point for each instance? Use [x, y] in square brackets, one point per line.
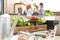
[53, 5]
[0, 5]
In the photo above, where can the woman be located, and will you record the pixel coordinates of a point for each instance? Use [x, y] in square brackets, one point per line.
[21, 11]
[41, 11]
[50, 23]
[29, 11]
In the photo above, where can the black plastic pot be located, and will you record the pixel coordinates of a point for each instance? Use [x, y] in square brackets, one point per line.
[51, 24]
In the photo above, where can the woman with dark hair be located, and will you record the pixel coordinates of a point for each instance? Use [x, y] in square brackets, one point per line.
[41, 11]
[50, 23]
[20, 10]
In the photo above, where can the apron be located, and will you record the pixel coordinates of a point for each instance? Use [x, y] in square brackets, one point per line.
[41, 13]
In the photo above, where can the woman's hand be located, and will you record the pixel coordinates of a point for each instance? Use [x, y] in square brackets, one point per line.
[22, 37]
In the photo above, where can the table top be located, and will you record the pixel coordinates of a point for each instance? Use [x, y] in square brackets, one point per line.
[15, 37]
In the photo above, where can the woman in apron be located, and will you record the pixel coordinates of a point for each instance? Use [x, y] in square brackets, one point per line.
[41, 10]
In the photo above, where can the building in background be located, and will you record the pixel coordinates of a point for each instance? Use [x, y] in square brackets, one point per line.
[53, 5]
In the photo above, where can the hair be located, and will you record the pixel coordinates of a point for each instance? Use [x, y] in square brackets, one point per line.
[28, 7]
[41, 4]
[19, 9]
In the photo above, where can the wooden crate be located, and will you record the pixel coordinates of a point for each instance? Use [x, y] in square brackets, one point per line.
[31, 28]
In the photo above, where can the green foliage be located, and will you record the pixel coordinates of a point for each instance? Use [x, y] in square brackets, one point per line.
[48, 13]
[41, 21]
[21, 22]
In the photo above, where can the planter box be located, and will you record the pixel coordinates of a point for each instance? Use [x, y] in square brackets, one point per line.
[31, 28]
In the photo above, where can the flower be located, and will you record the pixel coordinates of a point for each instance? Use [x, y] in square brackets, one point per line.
[14, 17]
[29, 24]
[20, 20]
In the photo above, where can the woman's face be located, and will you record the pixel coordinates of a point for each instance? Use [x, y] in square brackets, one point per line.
[41, 6]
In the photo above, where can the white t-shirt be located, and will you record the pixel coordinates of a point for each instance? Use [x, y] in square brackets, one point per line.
[29, 12]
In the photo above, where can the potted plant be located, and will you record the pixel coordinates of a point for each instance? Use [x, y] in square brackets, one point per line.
[34, 24]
